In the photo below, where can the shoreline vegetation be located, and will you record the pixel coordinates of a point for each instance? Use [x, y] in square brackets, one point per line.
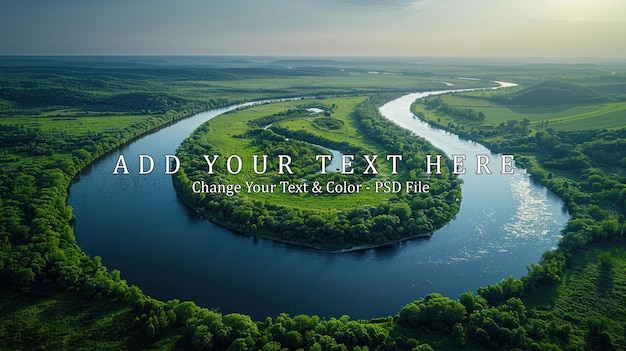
[56, 297]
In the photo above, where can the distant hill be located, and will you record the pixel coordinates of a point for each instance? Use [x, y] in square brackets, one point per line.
[554, 93]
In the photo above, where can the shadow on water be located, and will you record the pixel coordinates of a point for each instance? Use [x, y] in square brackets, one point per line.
[391, 251]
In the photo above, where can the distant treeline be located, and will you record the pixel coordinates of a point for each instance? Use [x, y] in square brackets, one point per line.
[136, 102]
[466, 113]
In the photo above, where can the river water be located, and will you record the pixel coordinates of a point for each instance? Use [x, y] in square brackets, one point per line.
[137, 224]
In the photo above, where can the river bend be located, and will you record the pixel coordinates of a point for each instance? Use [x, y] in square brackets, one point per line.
[137, 224]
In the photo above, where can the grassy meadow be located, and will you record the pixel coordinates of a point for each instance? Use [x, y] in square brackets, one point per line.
[570, 117]
[224, 132]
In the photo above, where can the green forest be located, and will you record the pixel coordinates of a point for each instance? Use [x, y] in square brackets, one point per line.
[564, 123]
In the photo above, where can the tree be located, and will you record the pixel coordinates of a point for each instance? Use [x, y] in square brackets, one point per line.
[434, 311]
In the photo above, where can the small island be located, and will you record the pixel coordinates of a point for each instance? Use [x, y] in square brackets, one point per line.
[266, 171]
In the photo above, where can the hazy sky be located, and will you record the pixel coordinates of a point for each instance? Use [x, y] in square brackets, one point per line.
[518, 28]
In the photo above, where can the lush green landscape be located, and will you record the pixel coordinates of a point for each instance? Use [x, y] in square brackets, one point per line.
[571, 114]
[336, 216]
[571, 140]
[57, 116]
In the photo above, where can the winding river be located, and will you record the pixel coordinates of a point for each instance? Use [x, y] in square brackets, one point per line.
[137, 224]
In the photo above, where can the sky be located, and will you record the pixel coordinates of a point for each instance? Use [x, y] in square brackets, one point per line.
[413, 28]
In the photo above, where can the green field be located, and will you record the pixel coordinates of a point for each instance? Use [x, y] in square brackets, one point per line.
[79, 126]
[65, 322]
[328, 79]
[223, 134]
[339, 80]
[608, 115]
[593, 288]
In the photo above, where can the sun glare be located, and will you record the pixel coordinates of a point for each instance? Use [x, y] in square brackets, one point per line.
[586, 5]
[585, 10]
